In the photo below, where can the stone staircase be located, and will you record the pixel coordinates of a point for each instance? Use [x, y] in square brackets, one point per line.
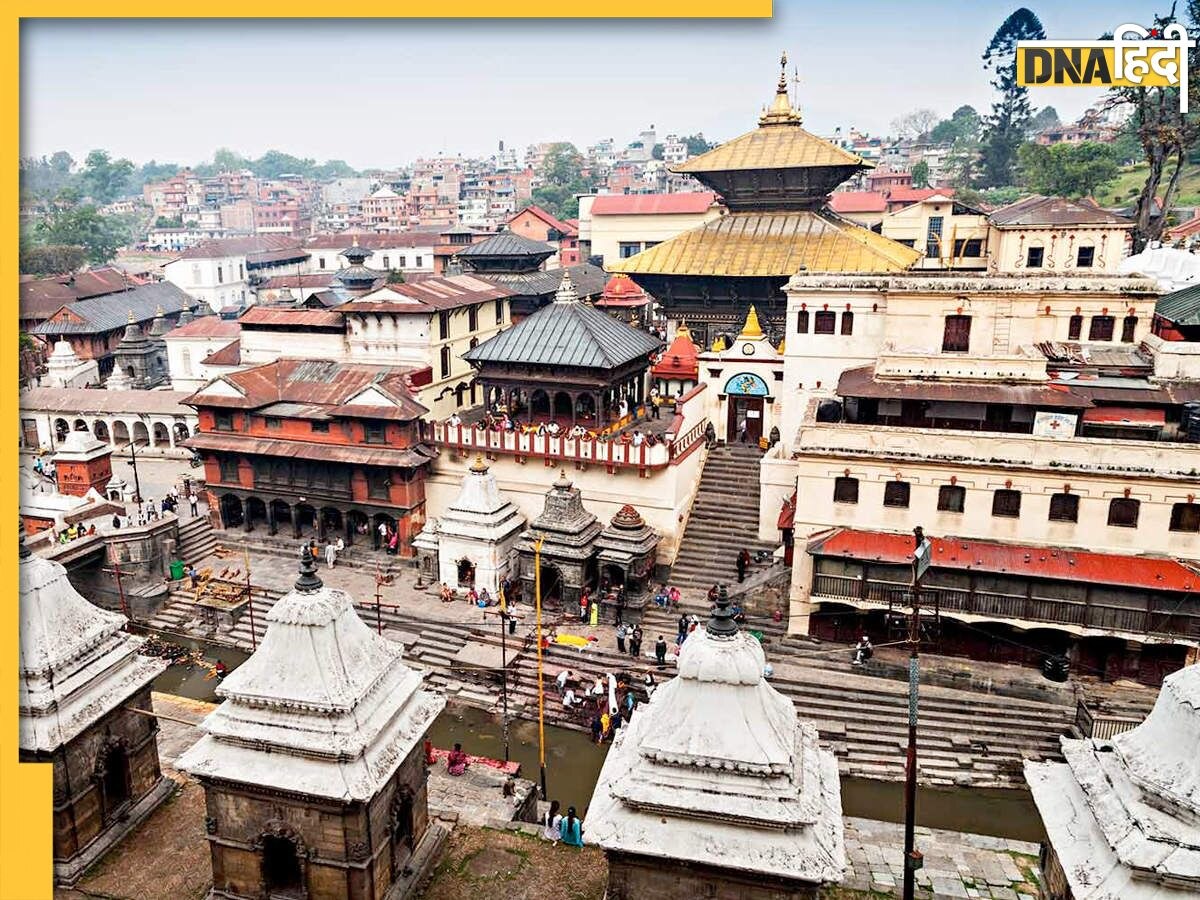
[196, 540]
[724, 519]
[360, 556]
[965, 738]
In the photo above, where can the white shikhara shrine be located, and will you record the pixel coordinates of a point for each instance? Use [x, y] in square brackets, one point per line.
[1122, 816]
[325, 707]
[718, 770]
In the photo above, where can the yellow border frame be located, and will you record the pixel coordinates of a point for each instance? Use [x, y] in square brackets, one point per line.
[25, 790]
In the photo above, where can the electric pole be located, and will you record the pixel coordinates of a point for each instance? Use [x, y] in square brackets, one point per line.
[912, 857]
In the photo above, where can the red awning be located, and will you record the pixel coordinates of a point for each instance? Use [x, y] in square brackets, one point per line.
[1145, 572]
[1120, 415]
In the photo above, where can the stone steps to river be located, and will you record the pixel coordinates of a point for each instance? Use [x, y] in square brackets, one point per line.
[965, 738]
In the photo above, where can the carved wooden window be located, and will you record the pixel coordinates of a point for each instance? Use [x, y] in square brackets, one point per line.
[1123, 512]
[1006, 504]
[1064, 508]
[896, 493]
[845, 490]
[951, 498]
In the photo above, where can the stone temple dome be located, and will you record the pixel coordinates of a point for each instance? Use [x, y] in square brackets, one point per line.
[1122, 816]
[718, 770]
[325, 707]
[76, 661]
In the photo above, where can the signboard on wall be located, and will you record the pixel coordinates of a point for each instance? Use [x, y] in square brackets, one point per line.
[1055, 424]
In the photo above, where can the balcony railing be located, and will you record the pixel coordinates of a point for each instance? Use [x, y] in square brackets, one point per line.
[1014, 607]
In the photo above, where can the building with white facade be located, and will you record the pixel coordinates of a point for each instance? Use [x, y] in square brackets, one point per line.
[191, 344]
[222, 273]
[404, 252]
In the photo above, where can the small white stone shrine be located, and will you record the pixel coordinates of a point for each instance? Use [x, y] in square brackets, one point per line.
[477, 535]
[715, 787]
[313, 766]
[84, 707]
[1122, 816]
[64, 369]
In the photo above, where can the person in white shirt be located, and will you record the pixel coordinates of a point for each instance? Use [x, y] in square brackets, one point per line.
[454, 420]
[550, 824]
[570, 701]
[561, 680]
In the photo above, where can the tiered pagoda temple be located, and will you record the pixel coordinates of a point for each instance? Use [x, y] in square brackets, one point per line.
[775, 182]
[568, 362]
[518, 263]
[313, 768]
[715, 788]
[1122, 816]
[84, 706]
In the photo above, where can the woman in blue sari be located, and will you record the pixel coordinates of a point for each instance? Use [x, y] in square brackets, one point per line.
[572, 828]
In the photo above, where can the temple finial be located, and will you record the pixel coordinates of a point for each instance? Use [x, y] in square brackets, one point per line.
[781, 111]
[722, 624]
[783, 72]
[308, 582]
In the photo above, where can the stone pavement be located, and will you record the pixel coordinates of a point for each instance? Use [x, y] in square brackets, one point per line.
[957, 865]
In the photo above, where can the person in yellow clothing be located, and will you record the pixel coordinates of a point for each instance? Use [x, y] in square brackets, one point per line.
[594, 609]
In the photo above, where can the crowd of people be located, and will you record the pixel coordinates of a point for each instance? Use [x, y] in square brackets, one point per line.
[608, 702]
[503, 422]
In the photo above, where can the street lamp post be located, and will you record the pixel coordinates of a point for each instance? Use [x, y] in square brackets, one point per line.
[137, 485]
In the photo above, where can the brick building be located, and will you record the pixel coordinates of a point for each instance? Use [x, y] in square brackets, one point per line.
[318, 447]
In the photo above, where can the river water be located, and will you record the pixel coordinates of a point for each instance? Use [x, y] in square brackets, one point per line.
[573, 763]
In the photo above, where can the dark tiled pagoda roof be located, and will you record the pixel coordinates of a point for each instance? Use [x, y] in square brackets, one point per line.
[111, 311]
[589, 280]
[572, 334]
[506, 244]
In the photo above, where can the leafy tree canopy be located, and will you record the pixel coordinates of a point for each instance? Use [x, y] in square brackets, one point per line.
[1007, 124]
[1066, 170]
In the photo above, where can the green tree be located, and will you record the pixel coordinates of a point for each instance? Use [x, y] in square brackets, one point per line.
[274, 163]
[697, 144]
[168, 222]
[43, 178]
[83, 226]
[963, 124]
[656, 152]
[1066, 170]
[1047, 117]
[395, 276]
[1167, 137]
[334, 168]
[1005, 128]
[562, 179]
[920, 175]
[51, 259]
[105, 179]
[226, 160]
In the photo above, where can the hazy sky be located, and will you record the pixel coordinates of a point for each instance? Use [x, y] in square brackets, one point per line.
[380, 93]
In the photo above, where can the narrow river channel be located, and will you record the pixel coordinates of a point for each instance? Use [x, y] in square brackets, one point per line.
[573, 763]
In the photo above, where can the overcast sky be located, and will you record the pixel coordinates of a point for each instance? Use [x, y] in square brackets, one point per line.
[381, 93]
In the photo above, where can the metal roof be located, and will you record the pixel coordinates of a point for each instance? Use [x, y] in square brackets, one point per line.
[861, 382]
[589, 280]
[688, 202]
[361, 454]
[111, 311]
[506, 244]
[778, 244]
[1181, 307]
[1038, 210]
[776, 146]
[572, 334]
[1061, 564]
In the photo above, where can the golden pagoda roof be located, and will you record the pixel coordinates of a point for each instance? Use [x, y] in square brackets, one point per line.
[769, 244]
[778, 143]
